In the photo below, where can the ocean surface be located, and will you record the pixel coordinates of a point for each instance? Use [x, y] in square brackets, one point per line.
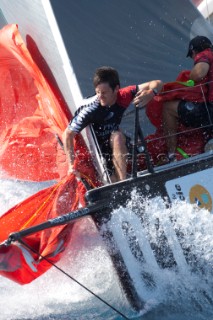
[181, 295]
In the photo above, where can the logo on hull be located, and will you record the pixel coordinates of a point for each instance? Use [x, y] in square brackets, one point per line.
[200, 196]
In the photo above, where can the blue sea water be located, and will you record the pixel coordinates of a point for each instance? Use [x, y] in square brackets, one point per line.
[181, 296]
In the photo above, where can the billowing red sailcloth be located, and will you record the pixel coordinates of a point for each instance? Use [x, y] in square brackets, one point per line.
[30, 118]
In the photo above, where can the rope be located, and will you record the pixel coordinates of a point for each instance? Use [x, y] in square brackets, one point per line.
[210, 121]
[50, 196]
[73, 279]
[88, 179]
[179, 133]
[42, 205]
[105, 170]
[184, 87]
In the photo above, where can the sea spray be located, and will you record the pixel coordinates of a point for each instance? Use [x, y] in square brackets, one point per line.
[174, 292]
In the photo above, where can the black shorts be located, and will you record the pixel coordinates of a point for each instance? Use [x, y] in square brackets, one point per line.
[194, 114]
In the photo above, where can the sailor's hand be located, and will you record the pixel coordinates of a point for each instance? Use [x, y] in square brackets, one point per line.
[143, 97]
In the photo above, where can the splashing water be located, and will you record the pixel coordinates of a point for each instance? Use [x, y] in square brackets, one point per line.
[171, 260]
[180, 290]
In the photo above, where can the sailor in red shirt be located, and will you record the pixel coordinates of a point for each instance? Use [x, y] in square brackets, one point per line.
[191, 114]
[104, 111]
[206, 58]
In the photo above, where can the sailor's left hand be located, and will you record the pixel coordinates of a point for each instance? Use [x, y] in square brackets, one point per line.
[143, 97]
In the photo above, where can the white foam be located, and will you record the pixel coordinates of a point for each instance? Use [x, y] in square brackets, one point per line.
[87, 260]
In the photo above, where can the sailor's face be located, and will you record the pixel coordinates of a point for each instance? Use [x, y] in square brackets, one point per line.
[106, 95]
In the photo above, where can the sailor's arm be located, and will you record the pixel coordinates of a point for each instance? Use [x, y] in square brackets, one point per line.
[199, 71]
[147, 91]
[69, 136]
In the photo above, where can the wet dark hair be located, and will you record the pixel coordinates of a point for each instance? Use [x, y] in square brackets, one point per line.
[106, 75]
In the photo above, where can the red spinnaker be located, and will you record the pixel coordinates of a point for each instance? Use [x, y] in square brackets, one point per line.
[30, 117]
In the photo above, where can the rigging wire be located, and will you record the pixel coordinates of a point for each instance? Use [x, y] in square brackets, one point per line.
[75, 280]
[185, 87]
[162, 93]
[209, 126]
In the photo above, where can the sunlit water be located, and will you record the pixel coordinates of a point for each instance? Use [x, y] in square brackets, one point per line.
[179, 294]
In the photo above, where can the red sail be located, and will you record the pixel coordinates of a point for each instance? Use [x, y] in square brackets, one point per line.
[22, 264]
[30, 117]
[30, 114]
